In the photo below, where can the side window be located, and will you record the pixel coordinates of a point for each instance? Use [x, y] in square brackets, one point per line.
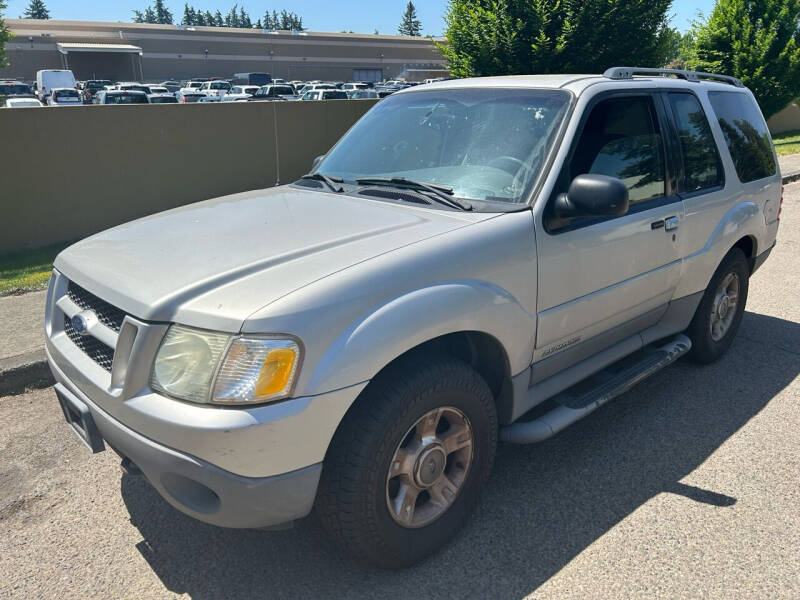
[701, 164]
[622, 138]
[745, 133]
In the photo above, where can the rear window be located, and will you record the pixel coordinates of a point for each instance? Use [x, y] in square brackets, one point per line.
[126, 99]
[282, 90]
[66, 94]
[164, 100]
[334, 95]
[14, 89]
[746, 134]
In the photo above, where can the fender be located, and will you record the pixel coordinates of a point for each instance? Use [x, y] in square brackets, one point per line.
[418, 316]
[740, 221]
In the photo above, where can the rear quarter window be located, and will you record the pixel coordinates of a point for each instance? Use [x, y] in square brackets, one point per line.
[746, 134]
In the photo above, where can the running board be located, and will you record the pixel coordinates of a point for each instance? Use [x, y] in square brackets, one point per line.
[576, 403]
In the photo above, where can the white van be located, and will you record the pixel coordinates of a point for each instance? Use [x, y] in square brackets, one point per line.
[47, 79]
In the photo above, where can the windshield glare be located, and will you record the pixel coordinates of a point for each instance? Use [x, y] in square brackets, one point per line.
[485, 144]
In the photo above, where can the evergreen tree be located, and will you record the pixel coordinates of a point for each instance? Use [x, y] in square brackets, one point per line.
[163, 16]
[258, 25]
[218, 20]
[509, 37]
[757, 41]
[188, 15]
[208, 18]
[5, 35]
[232, 18]
[410, 25]
[244, 19]
[154, 14]
[36, 10]
[200, 19]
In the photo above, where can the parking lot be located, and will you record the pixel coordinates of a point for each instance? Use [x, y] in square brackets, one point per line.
[687, 486]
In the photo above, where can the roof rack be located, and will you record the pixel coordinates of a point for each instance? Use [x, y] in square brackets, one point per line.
[694, 76]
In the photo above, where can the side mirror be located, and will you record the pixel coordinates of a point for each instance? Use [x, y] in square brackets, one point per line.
[316, 161]
[593, 195]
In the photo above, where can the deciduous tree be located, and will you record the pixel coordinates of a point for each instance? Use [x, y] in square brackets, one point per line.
[756, 41]
[508, 37]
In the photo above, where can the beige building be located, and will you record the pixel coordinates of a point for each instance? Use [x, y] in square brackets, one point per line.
[132, 51]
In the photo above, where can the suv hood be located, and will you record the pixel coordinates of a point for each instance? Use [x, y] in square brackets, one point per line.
[214, 263]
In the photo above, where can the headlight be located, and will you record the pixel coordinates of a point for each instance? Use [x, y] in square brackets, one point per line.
[248, 369]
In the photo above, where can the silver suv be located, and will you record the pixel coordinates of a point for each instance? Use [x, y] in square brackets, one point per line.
[474, 260]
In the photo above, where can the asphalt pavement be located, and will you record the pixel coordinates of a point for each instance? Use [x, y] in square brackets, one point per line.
[688, 486]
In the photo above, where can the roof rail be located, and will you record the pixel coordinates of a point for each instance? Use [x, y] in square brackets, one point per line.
[694, 76]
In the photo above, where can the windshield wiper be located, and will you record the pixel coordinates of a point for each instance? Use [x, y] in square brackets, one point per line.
[331, 182]
[440, 193]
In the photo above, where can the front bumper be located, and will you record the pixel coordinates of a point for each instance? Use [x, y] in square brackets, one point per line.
[193, 486]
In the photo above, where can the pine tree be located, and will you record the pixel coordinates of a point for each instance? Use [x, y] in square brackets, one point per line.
[244, 19]
[410, 25]
[5, 35]
[36, 10]
[163, 16]
[200, 19]
[208, 18]
[258, 25]
[188, 15]
[149, 15]
[218, 20]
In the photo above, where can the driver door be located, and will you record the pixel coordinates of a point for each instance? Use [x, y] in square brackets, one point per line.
[603, 279]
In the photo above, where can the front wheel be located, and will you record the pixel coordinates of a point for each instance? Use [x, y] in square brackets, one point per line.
[406, 466]
[721, 309]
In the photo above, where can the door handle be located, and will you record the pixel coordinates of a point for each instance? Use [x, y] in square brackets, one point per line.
[670, 223]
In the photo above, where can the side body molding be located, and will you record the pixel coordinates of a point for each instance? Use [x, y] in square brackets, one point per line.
[421, 315]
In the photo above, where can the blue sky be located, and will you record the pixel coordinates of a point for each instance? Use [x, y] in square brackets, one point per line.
[363, 16]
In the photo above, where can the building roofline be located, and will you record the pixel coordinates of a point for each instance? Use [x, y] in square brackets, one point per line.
[53, 24]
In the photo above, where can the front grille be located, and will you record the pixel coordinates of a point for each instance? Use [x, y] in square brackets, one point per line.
[91, 346]
[108, 315]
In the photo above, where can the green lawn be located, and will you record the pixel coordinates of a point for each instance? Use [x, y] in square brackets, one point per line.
[27, 271]
[787, 142]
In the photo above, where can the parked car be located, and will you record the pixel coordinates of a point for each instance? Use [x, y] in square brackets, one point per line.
[91, 87]
[191, 86]
[12, 87]
[354, 86]
[20, 102]
[172, 86]
[162, 99]
[325, 95]
[240, 92]
[132, 86]
[273, 92]
[362, 94]
[47, 79]
[120, 97]
[311, 87]
[185, 96]
[480, 259]
[215, 88]
[64, 97]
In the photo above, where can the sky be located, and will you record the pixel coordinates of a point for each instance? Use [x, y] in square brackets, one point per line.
[362, 16]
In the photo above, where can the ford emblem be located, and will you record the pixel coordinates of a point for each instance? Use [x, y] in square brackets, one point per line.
[80, 324]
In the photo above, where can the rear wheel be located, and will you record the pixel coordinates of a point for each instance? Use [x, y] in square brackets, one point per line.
[721, 309]
[407, 464]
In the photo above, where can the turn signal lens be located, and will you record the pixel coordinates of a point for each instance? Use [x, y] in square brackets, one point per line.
[257, 370]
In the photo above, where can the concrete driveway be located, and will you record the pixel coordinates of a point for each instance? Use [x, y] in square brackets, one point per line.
[687, 486]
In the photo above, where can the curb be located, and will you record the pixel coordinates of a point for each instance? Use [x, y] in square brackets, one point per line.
[23, 372]
[790, 177]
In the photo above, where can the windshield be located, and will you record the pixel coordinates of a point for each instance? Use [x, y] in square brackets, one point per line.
[485, 144]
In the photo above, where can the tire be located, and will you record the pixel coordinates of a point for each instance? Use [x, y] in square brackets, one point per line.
[707, 344]
[354, 501]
